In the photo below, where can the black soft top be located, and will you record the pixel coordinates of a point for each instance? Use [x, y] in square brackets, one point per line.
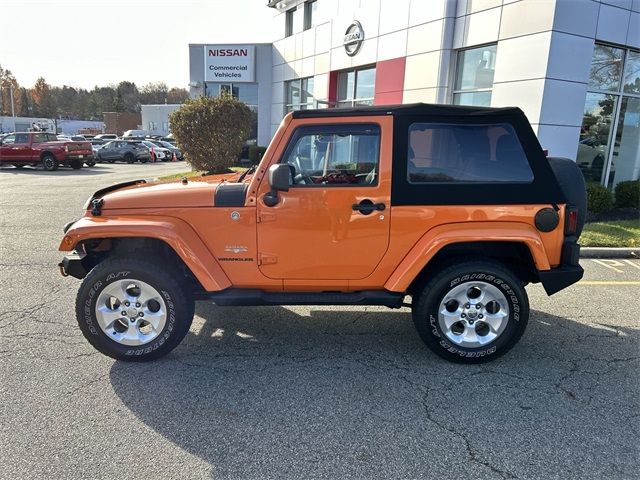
[410, 109]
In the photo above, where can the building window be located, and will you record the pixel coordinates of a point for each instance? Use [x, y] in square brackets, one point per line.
[356, 87]
[165, 126]
[152, 126]
[609, 146]
[310, 14]
[288, 22]
[299, 94]
[474, 76]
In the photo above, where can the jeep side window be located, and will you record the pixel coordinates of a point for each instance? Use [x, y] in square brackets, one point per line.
[466, 153]
[9, 139]
[40, 138]
[344, 155]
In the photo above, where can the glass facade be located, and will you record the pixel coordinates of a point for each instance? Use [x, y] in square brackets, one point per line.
[356, 87]
[475, 68]
[609, 146]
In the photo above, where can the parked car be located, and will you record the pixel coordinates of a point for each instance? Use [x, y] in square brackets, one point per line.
[175, 150]
[46, 149]
[456, 207]
[106, 136]
[157, 152]
[125, 150]
[134, 134]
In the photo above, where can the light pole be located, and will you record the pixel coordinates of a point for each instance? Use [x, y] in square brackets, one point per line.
[13, 108]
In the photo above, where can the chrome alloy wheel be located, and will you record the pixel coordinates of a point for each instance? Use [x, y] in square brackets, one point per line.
[473, 314]
[131, 312]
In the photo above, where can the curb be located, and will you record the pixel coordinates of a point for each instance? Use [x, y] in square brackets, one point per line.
[609, 252]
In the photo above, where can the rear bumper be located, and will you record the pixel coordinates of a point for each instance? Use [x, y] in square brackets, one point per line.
[78, 156]
[559, 278]
[566, 274]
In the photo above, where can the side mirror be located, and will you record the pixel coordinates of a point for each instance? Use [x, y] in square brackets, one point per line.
[279, 176]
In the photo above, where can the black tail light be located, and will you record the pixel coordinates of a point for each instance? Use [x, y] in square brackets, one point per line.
[571, 220]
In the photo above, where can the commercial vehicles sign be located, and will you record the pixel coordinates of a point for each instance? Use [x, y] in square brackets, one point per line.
[229, 63]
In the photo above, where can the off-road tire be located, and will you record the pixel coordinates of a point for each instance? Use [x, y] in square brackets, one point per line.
[179, 304]
[18, 165]
[49, 163]
[427, 303]
[76, 164]
[129, 158]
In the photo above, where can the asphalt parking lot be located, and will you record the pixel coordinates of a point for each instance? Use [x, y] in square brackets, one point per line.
[302, 392]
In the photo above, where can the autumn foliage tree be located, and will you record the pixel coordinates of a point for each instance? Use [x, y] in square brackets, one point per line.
[211, 131]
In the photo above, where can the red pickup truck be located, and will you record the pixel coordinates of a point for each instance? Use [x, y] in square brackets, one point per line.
[33, 148]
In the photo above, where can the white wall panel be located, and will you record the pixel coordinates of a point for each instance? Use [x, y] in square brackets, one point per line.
[392, 45]
[425, 38]
[522, 58]
[394, 15]
[323, 38]
[526, 17]
[422, 11]
[526, 94]
[482, 27]
[422, 71]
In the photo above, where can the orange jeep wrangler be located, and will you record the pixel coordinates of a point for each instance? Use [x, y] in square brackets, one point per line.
[456, 207]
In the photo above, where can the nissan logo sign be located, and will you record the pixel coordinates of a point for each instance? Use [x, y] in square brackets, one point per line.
[353, 38]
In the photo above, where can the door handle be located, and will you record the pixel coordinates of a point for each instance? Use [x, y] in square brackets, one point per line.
[367, 207]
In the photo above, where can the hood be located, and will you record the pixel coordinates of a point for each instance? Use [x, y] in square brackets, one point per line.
[173, 194]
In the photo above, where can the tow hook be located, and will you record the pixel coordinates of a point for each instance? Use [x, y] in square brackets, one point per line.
[63, 272]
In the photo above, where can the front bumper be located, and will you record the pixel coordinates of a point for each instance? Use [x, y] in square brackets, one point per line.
[74, 264]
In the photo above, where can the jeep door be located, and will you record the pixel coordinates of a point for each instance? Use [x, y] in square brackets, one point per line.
[333, 223]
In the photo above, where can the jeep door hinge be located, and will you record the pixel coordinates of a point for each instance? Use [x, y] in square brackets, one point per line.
[266, 217]
[267, 259]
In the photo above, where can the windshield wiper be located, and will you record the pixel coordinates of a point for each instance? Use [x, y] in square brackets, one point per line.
[247, 172]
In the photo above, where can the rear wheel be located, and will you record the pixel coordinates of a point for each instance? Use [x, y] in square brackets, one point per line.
[129, 158]
[76, 164]
[49, 163]
[472, 312]
[133, 310]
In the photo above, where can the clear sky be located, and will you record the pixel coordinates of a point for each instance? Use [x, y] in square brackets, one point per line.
[83, 43]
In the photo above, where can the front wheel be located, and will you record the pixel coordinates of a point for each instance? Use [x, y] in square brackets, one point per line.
[473, 312]
[133, 310]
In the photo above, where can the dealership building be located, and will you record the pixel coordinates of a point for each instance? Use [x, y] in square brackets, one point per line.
[573, 67]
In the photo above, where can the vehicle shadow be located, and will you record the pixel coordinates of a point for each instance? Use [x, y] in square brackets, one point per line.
[62, 171]
[270, 392]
